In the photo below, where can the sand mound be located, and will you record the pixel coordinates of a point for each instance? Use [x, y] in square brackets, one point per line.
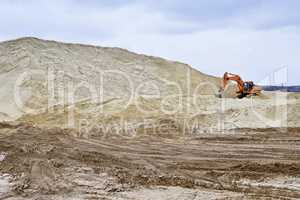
[72, 85]
[45, 70]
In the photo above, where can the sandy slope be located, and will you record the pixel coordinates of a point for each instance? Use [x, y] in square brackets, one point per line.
[111, 85]
[124, 73]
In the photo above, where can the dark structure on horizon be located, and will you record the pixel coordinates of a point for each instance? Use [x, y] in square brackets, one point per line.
[282, 88]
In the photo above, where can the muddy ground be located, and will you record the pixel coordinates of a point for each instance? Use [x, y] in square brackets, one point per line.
[41, 163]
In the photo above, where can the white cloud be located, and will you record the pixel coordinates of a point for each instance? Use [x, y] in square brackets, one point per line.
[253, 54]
[237, 43]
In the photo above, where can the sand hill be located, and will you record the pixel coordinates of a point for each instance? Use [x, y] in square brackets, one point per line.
[51, 67]
[59, 84]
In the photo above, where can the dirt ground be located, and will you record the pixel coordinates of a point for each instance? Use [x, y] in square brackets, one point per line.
[52, 163]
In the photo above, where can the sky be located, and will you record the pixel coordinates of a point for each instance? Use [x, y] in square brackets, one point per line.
[258, 39]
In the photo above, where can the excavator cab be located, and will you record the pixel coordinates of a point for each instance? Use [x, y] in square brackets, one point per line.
[248, 86]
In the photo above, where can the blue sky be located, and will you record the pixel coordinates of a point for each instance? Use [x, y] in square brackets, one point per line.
[253, 38]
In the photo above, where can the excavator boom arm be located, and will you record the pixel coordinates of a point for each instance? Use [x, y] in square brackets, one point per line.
[233, 77]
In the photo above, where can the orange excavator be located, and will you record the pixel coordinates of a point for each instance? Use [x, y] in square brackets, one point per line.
[245, 88]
